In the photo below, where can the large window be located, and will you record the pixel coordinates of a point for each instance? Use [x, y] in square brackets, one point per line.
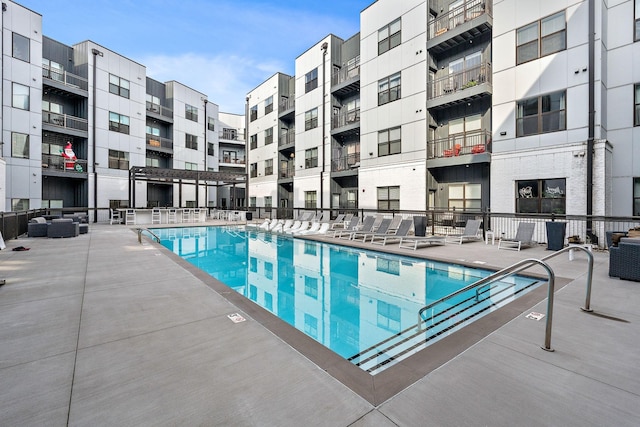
[268, 105]
[19, 145]
[311, 158]
[190, 166]
[118, 123]
[310, 200]
[465, 196]
[52, 70]
[191, 141]
[211, 123]
[542, 114]
[253, 170]
[268, 167]
[20, 96]
[118, 160]
[153, 103]
[253, 113]
[118, 86]
[388, 198]
[18, 205]
[636, 196]
[268, 136]
[253, 142]
[541, 196]
[311, 119]
[389, 141]
[389, 89]
[311, 80]
[389, 316]
[191, 112]
[541, 38]
[389, 36]
[21, 47]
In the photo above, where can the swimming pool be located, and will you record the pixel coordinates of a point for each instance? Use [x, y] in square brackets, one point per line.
[361, 304]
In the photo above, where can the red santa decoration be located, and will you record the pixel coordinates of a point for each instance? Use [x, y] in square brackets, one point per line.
[69, 157]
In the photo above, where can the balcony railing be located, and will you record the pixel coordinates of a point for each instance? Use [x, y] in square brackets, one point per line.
[469, 10]
[459, 144]
[344, 163]
[462, 80]
[159, 109]
[232, 160]
[288, 171]
[344, 74]
[231, 136]
[65, 121]
[286, 104]
[60, 164]
[286, 138]
[154, 141]
[65, 78]
[345, 119]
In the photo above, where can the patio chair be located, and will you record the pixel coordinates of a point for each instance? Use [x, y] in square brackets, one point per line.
[342, 223]
[155, 216]
[469, 234]
[403, 230]
[523, 239]
[315, 226]
[412, 242]
[115, 217]
[367, 225]
[351, 226]
[302, 226]
[382, 229]
[130, 217]
[324, 229]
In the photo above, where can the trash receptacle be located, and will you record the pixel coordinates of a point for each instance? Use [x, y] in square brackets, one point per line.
[249, 216]
[420, 225]
[555, 235]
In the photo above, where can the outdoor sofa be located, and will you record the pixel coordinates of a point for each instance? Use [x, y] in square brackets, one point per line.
[624, 259]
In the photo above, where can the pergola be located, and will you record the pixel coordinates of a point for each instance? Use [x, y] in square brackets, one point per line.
[183, 177]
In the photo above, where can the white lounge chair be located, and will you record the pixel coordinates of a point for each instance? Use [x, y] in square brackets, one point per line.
[470, 233]
[315, 226]
[523, 239]
[324, 229]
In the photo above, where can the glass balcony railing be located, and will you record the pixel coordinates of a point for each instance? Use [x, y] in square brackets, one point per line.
[65, 121]
[68, 79]
[154, 141]
[55, 162]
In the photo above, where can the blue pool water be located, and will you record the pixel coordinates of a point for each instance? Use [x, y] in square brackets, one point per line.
[361, 304]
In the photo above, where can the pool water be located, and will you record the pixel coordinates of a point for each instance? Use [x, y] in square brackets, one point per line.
[361, 304]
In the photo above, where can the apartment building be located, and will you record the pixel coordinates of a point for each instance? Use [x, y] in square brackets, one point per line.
[89, 129]
[508, 105]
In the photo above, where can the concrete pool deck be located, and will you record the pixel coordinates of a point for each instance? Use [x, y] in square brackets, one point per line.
[102, 330]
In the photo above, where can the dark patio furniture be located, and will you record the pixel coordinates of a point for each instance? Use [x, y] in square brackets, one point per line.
[624, 259]
[37, 227]
[63, 227]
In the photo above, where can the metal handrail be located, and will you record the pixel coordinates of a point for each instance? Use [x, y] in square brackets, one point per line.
[512, 269]
[587, 302]
[140, 230]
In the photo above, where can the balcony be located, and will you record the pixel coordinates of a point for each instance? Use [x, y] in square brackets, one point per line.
[159, 111]
[346, 81]
[475, 143]
[468, 83]
[63, 79]
[286, 108]
[160, 144]
[345, 163]
[231, 161]
[57, 164]
[231, 136]
[287, 170]
[459, 25]
[65, 121]
[287, 138]
[348, 122]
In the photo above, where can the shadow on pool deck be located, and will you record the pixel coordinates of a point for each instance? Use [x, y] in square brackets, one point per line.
[102, 330]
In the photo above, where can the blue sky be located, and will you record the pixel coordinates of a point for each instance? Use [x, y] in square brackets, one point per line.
[223, 48]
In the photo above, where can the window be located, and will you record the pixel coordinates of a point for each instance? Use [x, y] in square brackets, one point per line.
[311, 326]
[229, 156]
[191, 112]
[636, 196]
[152, 162]
[311, 119]
[190, 166]
[465, 196]
[637, 18]
[268, 167]
[389, 89]
[541, 38]
[311, 287]
[118, 86]
[153, 103]
[210, 149]
[541, 196]
[389, 36]
[253, 113]
[636, 117]
[19, 205]
[52, 203]
[229, 134]
[268, 136]
[118, 123]
[268, 203]
[268, 270]
[152, 130]
[268, 105]
[311, 158]
[389, 316]
[211, 124]
[311, 80]
[20, 96]
[19, 145]
[310, 199]
[253, 142]
[52, 70]
[388, 266]
[191, 141]
[252, 202]
[118, 160]
[388, 198]
[21, 47]
[389, 141]
[545, 113]
[253, 170]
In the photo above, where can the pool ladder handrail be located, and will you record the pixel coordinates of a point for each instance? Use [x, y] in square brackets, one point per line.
[141, 230]
[518, 267]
